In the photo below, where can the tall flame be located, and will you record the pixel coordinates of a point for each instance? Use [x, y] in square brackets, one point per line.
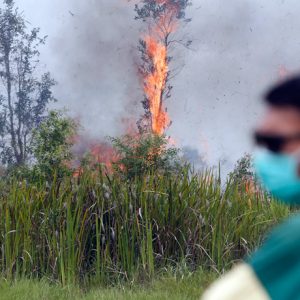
[155, 81]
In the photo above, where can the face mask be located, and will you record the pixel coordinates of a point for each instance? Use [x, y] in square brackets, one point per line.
[279, 174]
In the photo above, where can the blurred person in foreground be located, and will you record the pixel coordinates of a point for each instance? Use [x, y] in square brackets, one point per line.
[273, 271]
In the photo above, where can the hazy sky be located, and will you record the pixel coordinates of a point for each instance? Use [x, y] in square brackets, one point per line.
[239, 48]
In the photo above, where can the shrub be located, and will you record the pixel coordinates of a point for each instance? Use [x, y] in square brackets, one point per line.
[243, 169]
[138, 155]
[52, 144]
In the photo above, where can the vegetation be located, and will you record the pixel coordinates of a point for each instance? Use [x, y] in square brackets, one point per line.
[243, 170]
[138, 155]
[187, 286]
[52, 146]
[24, 96]
[149, 223]
[100, 228]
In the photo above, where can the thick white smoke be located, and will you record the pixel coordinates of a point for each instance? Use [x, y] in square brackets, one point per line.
[238, 49]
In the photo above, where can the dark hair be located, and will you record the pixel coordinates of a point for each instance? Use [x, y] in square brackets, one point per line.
[286, 93]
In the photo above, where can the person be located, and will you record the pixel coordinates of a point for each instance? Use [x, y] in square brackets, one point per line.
[273, 271]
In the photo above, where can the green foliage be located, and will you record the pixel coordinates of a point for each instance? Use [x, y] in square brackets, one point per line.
[154, 9]
[137, 156]
[243, 169]
[25, 94]
[52, 143]
[104, 229]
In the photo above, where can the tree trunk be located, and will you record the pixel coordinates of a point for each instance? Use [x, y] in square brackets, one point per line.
[19, 118]
[10, 108]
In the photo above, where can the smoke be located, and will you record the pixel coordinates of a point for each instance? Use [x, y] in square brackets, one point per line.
[97, 62]
[193, 156]
[91, 52]
[238, 50]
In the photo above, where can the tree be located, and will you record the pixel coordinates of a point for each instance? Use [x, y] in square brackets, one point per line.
[140, 155]
[24, 96]
[52, 145]
[162, 18]
[243, 170]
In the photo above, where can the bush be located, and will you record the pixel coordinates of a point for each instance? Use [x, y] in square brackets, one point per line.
[138, 155]
[52, 144]
[243, 169]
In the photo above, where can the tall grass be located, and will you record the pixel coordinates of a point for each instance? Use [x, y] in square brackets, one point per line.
[102, 228]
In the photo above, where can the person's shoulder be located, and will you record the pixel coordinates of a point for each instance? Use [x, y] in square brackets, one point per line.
[277, 262]
[240, 283]
[287, 232]
[284, 240]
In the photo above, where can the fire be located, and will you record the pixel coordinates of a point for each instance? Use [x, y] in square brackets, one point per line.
[103, 153]
[155, 83]
[155, 80]
[100, 153]
[94, 152]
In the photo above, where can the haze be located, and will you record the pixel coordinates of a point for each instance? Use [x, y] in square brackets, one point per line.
[239, 49]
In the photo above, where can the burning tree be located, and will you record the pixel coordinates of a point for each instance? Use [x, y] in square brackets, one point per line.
[136, 154]
[162, 18]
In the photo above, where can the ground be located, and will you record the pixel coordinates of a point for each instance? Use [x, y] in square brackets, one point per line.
[187, 287]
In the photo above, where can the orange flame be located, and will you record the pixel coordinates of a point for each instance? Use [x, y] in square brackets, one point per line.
[94, 152]
[103, 153]
[157, 49]
[155, 83]
[100, 153]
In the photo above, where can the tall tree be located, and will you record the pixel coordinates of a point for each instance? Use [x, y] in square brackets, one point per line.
[162, 18]
[24, 94]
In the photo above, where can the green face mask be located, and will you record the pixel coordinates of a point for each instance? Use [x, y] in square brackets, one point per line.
[279, 174]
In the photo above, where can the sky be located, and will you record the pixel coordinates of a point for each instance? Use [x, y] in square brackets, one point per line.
[239, 49]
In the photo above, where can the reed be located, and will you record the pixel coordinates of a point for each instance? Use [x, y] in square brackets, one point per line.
[103, 228]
